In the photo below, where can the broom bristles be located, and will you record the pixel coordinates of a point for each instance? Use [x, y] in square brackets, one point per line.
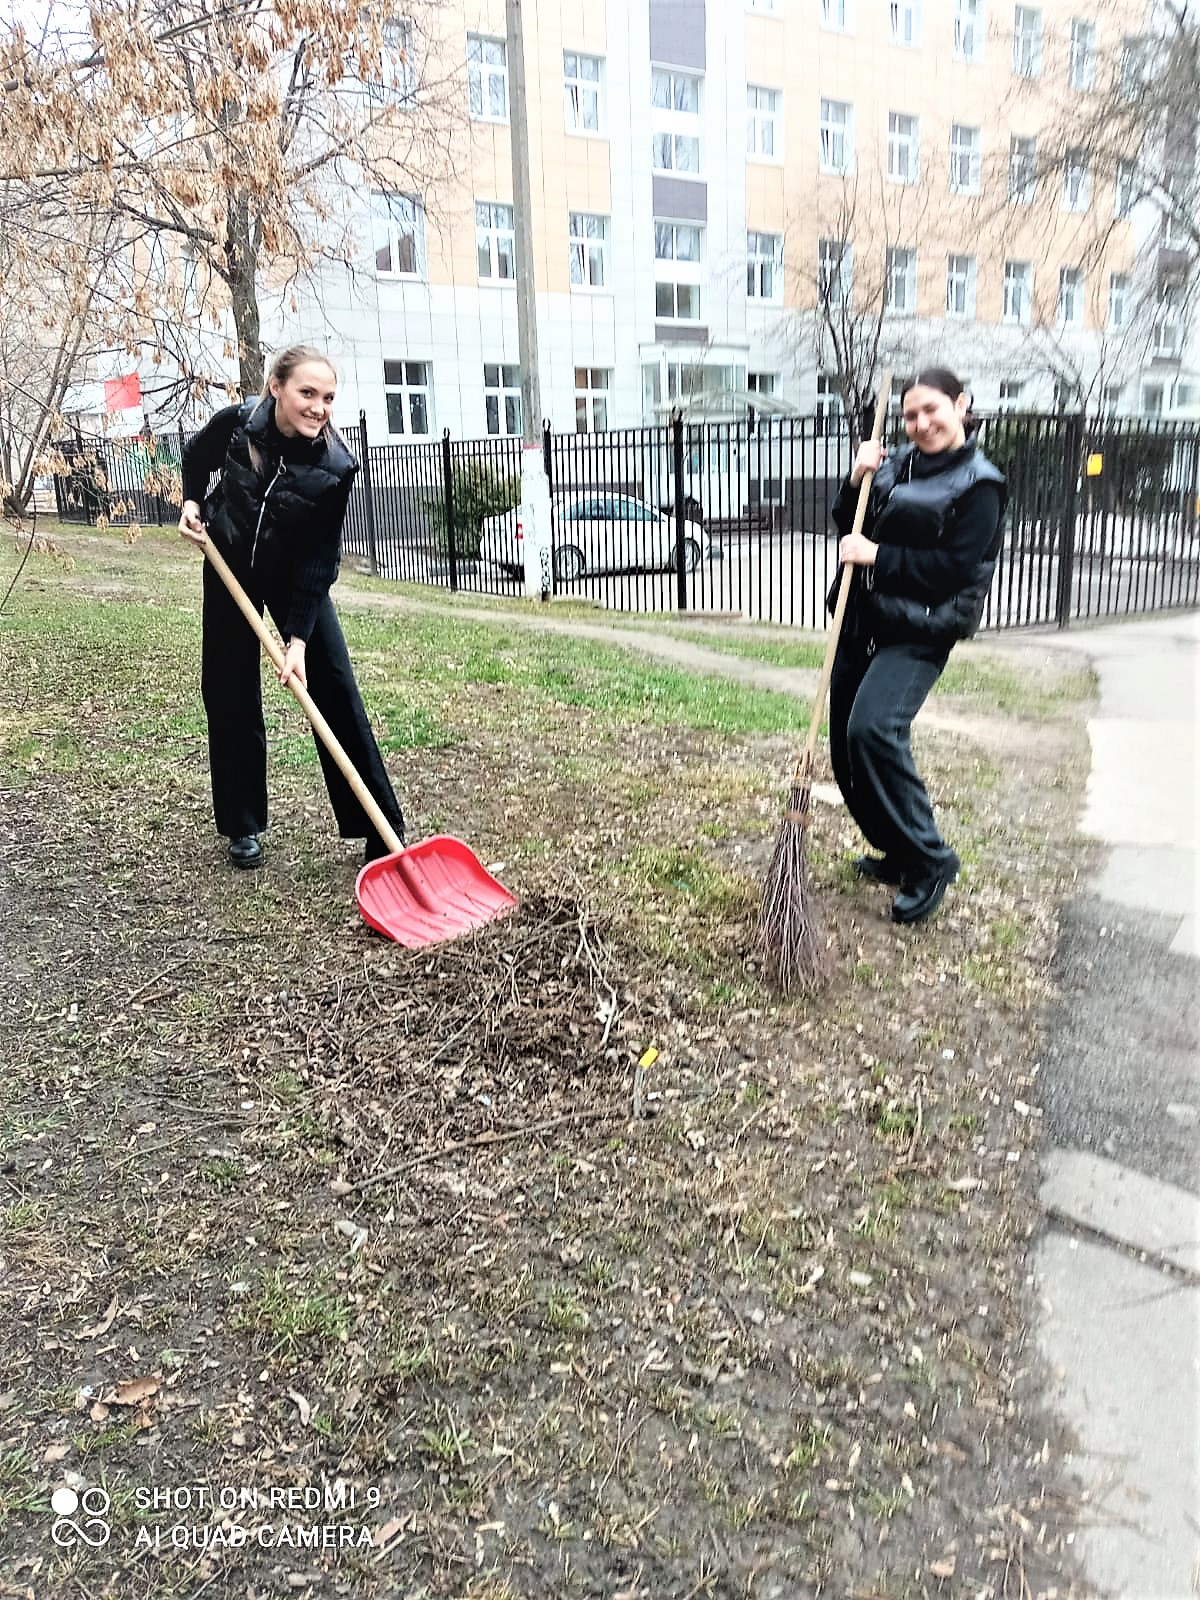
[791, 938]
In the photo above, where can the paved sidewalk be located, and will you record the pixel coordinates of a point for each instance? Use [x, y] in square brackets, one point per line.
[1118, 1264]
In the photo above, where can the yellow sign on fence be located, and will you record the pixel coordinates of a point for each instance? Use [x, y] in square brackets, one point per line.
[1095, 464]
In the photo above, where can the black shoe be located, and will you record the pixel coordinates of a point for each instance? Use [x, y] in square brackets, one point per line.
[375, 850]
[246, 851]
[920, 897]
[878, 869]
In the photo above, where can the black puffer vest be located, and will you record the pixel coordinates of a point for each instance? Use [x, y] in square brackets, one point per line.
[261, 512]
[916, 511]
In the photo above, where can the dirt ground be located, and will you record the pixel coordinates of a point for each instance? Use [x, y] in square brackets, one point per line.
[393, 1274]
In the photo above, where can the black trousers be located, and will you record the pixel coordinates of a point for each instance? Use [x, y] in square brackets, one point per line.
[237, 742]
[872, 702]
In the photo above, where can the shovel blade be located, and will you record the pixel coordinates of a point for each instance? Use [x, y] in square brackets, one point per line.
[430, 892]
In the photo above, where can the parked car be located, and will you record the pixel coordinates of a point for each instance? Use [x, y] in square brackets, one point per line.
[599, 531]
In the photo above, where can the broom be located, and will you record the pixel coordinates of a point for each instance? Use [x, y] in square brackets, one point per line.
[791, 938]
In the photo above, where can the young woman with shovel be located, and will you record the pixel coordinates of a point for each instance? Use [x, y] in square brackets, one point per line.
[923, 564]
[275, 513]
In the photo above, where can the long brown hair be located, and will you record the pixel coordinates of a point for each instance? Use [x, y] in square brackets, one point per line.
[286, 362]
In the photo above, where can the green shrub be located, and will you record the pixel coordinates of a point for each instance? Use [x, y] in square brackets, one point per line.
[479, 492]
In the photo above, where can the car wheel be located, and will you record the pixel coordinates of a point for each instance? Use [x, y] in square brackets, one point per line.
[691, 555]
[568, 563]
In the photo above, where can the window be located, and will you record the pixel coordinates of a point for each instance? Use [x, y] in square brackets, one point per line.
[900, 289]
[764, 266]
[1110, 398]
[677, 271]
[582, 88]
[1022, 171]
[772, 8]
[836, 14]
[1168, 328]
[589, 250]
[1010, 393]
[964, 159]
[1066, 394]
[502, 399]
[837, 136]
[968, 30]
[1070, 297]
[831, 413]
[1123, 189]
[676, 152]
[905, 17]
[762, 124]
[398, 235]
[1176, 233]
[904, 149]
[1118, 301]
[762, 382]
[835, 271]
[1132, 74]
[1152, 399]
[487, 78]
[1018, 291]
[960, 286]
[1077, 182]
[1027, 42]
[1082, 71]
[396, 66]
[591, 399]
[675, 91]
[407, 386]
[495, 241]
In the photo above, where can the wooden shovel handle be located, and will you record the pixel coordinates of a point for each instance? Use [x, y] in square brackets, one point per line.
[804, 765]
[307, 704]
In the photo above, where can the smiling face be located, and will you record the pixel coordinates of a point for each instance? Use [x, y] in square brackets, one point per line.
[932, 420]
[304, 399]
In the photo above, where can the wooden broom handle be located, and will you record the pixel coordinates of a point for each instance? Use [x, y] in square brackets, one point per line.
[808, 755]
[307, 704]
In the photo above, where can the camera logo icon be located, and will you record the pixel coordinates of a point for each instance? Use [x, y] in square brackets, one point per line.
[80, 1517]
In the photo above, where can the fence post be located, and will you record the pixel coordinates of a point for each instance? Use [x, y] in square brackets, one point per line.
[448, 494]
[548, 463]
[681, 596]
[1072, 462]
[364, 456]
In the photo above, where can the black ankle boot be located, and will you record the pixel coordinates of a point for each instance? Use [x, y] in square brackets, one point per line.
[246, 851]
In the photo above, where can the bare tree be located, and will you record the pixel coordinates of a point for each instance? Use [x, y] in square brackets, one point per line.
[228, 141]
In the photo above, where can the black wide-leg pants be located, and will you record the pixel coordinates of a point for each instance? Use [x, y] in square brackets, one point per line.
[237, 742]
[872, 702]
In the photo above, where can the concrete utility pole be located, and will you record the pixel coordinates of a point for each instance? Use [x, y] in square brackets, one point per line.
[534, 510]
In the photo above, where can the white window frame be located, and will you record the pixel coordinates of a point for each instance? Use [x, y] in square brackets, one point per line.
[829, 410]
[1069, 305]
[487, 72]
[497, 233]
[587, 236]
[592, 388]
[1011, 390]
[966, 159]
[764, 266]
[769, 8]
[1081, 69]
[1131, 76]
[900, 271]
[837, 15]
[903, 147]
[762, 383]
[1110, 398]
[904, 21]
[1018, 293]
[502, 385]
[1022, 169]
[409, 388]
[1028, 35]
[582, 93]
[1152, 407]
[675, 143]
[397, 81]
[1119, 285]
[1077, 182]
[961, 274]
[764, 123]
[1168, 328]
[836, 133]
[677, 85]
[402, 218]
[969, 29]
[1123, 201]
[835, 271]
[676, 271]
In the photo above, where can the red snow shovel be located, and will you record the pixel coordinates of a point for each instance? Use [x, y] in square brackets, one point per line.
[418, 895]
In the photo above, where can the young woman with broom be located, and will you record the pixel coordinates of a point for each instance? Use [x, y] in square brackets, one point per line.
[923, 562]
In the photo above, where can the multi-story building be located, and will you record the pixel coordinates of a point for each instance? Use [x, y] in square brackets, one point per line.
[711, 177]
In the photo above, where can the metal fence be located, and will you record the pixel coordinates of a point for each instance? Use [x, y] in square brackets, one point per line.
[1103, 517]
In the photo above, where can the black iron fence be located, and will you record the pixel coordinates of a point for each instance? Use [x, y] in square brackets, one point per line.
[1103, 518]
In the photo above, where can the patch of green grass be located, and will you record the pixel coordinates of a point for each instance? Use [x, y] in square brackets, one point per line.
[222, 1173]
[21, 1484]
[292, 1310]
[690, 874]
